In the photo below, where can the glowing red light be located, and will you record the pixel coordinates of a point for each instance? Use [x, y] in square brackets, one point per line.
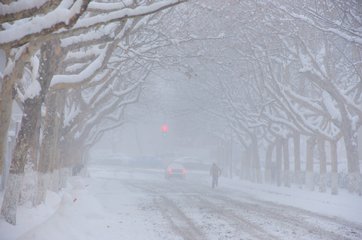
[164, 128]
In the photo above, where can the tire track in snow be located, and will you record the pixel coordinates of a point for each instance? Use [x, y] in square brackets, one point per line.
[289, 218]
[242, 225]
[250, 214]
[180, 223]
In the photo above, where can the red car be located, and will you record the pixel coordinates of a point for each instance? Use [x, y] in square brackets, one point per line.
[175, 170]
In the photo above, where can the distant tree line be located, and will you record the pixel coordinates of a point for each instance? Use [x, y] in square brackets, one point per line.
[284, 79]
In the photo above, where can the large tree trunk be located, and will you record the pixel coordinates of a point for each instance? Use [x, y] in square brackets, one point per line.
[47, 148]
[256, 161]
[9, 150]
[6, 100]
[7, 94]
[309, 168]
[246, 167]
[31, 116]
[278, 157]
[351, 144]
[12, 191]
[30, 177]
[322, 166]
[268, 163]
[286, 171]
[334, 174]
[297, 166]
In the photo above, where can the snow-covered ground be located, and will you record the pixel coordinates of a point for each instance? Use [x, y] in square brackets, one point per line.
[118, 203]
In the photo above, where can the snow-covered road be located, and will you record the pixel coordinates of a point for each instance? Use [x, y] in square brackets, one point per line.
[190, 209]
[117, 203]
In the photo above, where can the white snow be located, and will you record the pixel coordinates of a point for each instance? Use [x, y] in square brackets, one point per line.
[331, 106]
[61, 14]
[20, 5]
[32, 90]
[86, 73]
[108, 206]
[109, 6]
[91, 35]
[126, 12]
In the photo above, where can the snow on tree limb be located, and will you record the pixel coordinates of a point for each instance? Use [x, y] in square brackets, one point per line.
[65, 15]
[25, 8]
[100, 6]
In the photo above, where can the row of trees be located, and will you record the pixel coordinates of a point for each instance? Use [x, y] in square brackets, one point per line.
[72, 66]
[279, 74]
[286, 77]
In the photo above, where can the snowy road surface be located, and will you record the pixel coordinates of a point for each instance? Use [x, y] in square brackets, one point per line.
[141, 204]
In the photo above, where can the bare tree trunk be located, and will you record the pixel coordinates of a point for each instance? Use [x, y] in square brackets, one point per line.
[27, 193]
[322, 165]
[6, 100]
[351, 144]
[309, 168]
[268, 163]
[278, 161]
[12, 191]
[8, 155]
[297, 166]
[256, 161]
[243, 167]
[65, 172]
[8, 92]
[286, 171]
[61, 161]
[247, 165]
[334, 177]
[31, 116]
[47, 148]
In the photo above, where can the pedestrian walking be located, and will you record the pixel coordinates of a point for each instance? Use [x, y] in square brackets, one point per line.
[215, 172]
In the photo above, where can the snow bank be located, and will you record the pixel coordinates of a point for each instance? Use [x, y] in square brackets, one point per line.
[28, 217]
[344, 205]
[88, 210]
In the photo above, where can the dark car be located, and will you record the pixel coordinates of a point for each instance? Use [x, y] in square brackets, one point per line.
[175, 170]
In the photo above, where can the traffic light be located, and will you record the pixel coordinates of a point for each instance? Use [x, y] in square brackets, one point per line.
[164, 128]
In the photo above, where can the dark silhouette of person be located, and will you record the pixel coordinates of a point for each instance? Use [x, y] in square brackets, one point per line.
[215, 172]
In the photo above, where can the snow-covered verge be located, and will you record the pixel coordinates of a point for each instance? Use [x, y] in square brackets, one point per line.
[77, 214]
[29, 217]
[344, 205]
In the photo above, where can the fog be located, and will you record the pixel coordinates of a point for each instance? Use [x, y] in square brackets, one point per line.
[166, 124]
[180, 119]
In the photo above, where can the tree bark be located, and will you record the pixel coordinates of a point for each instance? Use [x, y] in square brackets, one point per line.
[31, 116]
[256, 161]
[286, 170]
[6, 100]
[309, 168]
[351, 145]
[278, 157]
[297, 166]
[48, 147]
[268, 163]
[12, 191]
[322, 165]
[7, 93]
[334, 174]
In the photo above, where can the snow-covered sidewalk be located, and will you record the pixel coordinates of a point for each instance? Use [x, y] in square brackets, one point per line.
[77, 214]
